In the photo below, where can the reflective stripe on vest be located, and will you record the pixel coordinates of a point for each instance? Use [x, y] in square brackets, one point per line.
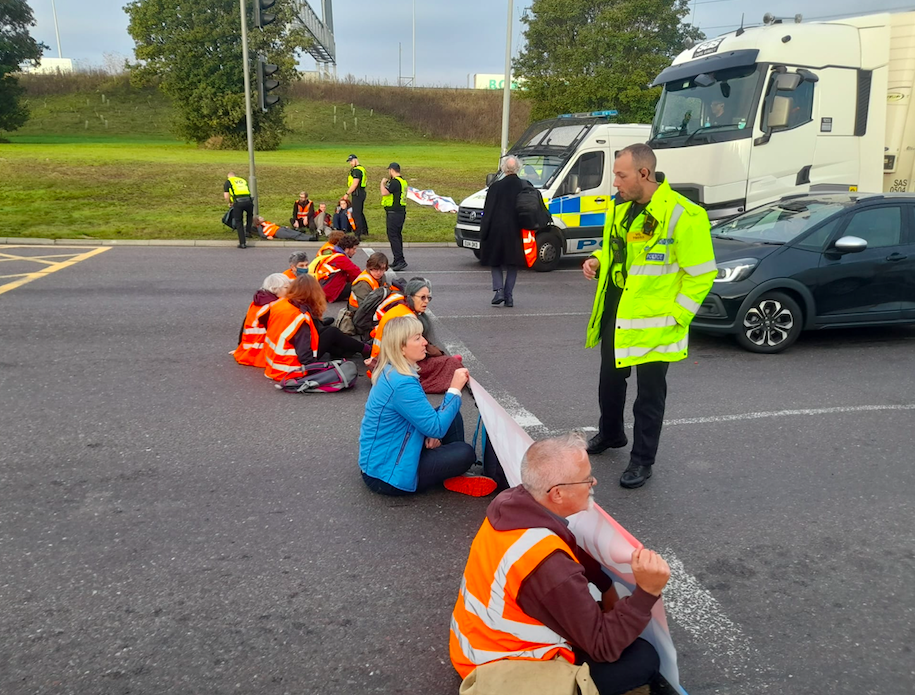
[238, 188]
[392, 312]
[279, 350]
[351, 219]
[269, 229]
[364, 276]
[388, 200]
[487, 623]
[350, 180]
[251, 349]
[321, 268]
[302, 213]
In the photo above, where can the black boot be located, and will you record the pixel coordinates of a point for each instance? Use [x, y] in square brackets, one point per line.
[598, 444]
[635, 476]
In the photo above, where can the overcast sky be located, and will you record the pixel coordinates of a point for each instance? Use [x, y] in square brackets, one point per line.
[454, 39]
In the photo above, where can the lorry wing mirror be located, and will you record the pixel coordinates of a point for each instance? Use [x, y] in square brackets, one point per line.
[778, 113]
[704, 80]
[807, 76]
[787, 81]
[490, 178]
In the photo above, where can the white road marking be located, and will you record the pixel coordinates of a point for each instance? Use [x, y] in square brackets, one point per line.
[695, 609]
[785, 413]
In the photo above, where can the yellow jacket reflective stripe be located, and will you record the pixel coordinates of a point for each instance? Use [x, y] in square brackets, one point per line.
[350, 179]
[388, 200]
[670, 269]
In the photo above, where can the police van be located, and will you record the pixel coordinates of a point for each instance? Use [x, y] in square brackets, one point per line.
[570, 159]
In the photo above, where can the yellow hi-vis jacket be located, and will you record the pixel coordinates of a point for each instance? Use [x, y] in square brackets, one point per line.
[670, 269]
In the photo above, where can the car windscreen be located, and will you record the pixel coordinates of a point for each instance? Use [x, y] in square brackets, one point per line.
[538, 169]
[778, 222]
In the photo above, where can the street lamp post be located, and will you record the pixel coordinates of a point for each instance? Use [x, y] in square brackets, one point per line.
[506, 92]
[249, 119]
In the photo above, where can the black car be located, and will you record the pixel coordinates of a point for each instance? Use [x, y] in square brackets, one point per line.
[809, 262]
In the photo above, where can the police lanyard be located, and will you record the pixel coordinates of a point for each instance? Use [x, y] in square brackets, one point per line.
[618, 243]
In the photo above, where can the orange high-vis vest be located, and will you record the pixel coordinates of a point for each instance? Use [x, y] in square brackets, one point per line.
[529, 244]
[250, 350]
[487, 623]
[302, 213]
[279, 349]
[326, 249]
[391, 312]
[269, 229]
[321, 266]
[290, 273]
[364, 276]
[351, 219]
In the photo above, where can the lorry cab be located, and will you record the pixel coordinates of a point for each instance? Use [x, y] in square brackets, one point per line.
[570, 160]
[789, 108]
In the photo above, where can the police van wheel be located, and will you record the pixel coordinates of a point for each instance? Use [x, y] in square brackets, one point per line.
[476, 252]
[549, 251]
[770, 324]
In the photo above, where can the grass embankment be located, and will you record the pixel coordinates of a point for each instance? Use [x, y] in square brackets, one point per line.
[84, 167]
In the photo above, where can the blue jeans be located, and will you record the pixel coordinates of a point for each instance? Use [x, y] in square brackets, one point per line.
[453, 458]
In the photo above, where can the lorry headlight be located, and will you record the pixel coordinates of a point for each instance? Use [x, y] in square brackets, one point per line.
[733, 271]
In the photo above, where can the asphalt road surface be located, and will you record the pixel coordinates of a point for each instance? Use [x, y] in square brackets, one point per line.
[170, 523]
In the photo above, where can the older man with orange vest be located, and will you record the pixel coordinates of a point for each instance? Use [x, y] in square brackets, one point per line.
[269, 230]
[335, 271]
[525, 597]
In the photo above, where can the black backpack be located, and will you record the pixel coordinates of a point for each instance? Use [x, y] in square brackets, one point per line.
[364, 318]
[532, 212]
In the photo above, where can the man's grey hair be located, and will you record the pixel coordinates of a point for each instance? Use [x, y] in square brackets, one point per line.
[510, 164]
[274, 282]
[414, 285]
[643, 156]
[547, 462]
[298, 257]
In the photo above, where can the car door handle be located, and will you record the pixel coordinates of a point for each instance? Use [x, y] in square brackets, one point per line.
[600, 200]
[896, 257]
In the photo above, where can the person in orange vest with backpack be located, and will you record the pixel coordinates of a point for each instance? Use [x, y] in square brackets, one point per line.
[336, 271]
[250, 350]
[297, 333]
[269, 230]
[525, 599]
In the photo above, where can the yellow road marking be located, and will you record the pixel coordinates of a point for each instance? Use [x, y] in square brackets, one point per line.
[5, 257]
[50, 269]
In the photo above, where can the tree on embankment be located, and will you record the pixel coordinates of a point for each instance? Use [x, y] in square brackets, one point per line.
[585, 55]
[192, 49]
[16, 47]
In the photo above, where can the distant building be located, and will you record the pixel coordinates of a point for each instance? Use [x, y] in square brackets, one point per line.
[49, 66]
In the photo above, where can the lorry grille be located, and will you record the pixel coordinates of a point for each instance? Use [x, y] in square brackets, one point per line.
[469, 216]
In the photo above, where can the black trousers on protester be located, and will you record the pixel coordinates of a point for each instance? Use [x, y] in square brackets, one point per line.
[508, 284]
[651, 379]
[453, 458]
[637, 666]
[395, 220]
[243, 206]
[358, 203]
[334, 341]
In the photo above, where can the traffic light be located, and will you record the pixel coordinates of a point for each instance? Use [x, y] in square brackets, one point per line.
[265, 84]
[261, 18]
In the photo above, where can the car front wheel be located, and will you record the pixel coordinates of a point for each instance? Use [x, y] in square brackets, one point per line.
[770, 324]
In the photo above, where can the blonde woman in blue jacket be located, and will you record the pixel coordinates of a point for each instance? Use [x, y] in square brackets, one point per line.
[406, 445]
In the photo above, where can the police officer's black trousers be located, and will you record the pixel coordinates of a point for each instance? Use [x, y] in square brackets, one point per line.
[651, 379]
[358, 203]
[395, 220]
[243, 206]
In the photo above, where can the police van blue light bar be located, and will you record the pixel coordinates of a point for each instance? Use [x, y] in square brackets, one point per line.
[592, 114]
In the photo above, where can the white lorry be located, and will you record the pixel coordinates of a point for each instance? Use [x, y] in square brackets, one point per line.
[788, 108]
[570, 159]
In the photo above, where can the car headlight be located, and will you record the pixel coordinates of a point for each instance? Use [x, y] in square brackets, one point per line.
[732, 271]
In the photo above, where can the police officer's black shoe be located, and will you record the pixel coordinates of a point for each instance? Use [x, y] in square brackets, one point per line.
[635, 476]
[598, 445]
[242, 246]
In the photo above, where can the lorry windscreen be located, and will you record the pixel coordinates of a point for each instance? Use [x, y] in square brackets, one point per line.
[694, 114]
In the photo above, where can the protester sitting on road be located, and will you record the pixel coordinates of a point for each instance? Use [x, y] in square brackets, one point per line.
[297, 333]
[336, 271]
[269, 230]
[437, 367]
[303, 213]
[332, 240]
[250, 350]
[525, 557]
[343, 217]
[322, 220]
[406, 445]
[298, 265]
[368, 280]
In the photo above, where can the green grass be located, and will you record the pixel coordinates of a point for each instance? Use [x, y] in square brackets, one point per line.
[132, 180]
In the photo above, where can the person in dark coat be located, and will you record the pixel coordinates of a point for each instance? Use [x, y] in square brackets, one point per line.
[500, 233]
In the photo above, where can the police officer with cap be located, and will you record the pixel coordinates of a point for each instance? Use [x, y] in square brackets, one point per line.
[394, 202]
[356, 194]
